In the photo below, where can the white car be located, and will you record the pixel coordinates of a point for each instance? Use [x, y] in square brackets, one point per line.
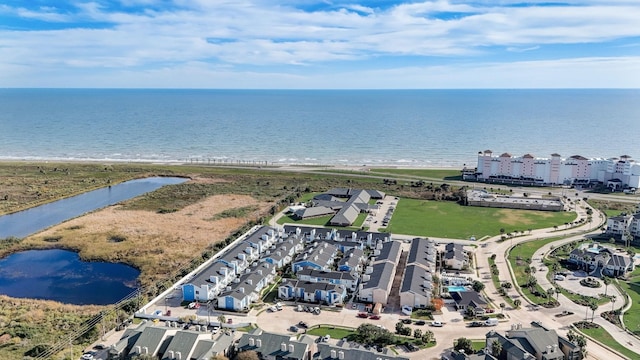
[326, 338]
[87, 357]
[436, 323]
[558, 277]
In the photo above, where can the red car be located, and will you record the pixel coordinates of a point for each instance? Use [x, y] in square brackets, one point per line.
[363, 315]
[374, 317]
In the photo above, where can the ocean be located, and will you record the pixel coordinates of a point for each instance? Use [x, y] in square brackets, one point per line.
[409, 128]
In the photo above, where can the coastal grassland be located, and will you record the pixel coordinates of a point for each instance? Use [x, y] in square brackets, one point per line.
[451, 220]
[436, 174]
[612, 208]
[25, 185]
[164, 233]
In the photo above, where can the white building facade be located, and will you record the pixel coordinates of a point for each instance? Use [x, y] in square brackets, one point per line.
[617, 173]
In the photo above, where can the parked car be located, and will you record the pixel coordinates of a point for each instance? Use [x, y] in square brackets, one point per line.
[100, 347]
[374, 317]
[215, 329]
[436, 323]
[87, 357]
[406, 321]
[420, 322]
[363, 315]
[303, 324]
[476, 324]
[411, 347]
[293, 328]
[326, 338]
[558, 277]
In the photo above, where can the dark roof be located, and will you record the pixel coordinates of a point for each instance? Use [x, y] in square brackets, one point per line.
[415, 278]
[352, 353]
[311, 287]
[336, 275]
[422, 252]
[352, 257]
[464, 298]
[390, 252]
[381, 276]
[183, 342]
[271, 344]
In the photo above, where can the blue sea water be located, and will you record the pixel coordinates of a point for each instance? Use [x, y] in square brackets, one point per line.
[417, 128]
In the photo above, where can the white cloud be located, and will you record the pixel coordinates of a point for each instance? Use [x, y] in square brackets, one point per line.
[274, 34]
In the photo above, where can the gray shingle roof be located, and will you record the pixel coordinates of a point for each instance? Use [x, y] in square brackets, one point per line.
[390, 252]
[352, 353]
[352, 257]
[336, 275]
[272, 344]
[422, 252]
[182, 342]
[415, 278]
[381, 276]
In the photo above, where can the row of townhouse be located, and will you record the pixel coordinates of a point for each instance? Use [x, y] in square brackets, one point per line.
[234, 280]
[170, 342]
[417, 273]
[455, 257]
[286, 347]
[316, 280]
[625, 225]
[333, 202]
[417, 283]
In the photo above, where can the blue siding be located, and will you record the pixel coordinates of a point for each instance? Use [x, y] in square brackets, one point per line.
[188, 292]
[228, 302]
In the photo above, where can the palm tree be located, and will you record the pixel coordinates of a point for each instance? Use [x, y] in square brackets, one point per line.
[550, 292]
[594, 306]
[517, 303]
[496, 348]
[558, 291]
[613, 302]
[222, 320]
[606, 280]
[502, 306]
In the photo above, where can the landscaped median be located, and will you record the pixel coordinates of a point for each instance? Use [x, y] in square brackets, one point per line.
[596, 333]
[373, 335]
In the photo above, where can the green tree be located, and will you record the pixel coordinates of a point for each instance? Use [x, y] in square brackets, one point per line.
[428, 337]
[417, 333]
[399, 327]
[593, 306]
[606, 281]
[517, 303]
[477, 286]
[463, 344]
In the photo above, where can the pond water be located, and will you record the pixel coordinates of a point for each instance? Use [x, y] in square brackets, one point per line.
[36, 219]
[60, 275]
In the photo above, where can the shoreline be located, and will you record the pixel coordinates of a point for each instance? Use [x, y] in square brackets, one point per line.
[232, 163]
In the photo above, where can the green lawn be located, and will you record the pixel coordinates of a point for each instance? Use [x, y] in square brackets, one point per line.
[631, 318]
[604, 337]
[451, 220]
[333, 332]
[323, 221]
[525, 251]
[478, 344]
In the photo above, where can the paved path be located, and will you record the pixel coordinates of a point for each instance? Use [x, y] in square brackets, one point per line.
[546, 316]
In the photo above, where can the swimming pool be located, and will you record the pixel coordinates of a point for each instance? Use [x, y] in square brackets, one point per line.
[456, 288]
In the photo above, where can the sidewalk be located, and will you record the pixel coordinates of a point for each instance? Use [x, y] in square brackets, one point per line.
[547, 316]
